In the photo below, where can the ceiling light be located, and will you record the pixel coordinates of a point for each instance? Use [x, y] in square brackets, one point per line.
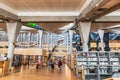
[112, 27]
[1, 20]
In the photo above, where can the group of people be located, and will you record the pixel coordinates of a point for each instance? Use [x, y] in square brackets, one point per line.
[51, 64]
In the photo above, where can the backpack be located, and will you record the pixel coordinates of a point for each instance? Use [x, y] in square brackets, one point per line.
[60, 63]
[51, 62]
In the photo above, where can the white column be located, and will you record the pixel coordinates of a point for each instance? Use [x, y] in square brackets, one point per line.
[39, 58]
[40, 39]
[48, 41]
[12, 32]
[101, 35]
[18, 40]
[67, 35]
[21, 39]
[51, 40]
[37, 39]
[84, 33]
[29, 34]
[24, 39]
[71, 37]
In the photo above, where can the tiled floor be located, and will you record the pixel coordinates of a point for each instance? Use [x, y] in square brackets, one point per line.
[42, 74]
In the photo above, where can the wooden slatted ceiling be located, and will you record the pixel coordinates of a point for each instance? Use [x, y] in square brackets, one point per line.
[52, 27]
[3, 26]
[44, 5]
[97, 26]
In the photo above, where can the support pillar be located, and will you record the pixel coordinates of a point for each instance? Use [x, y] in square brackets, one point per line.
[71, 37]
[97, 45]
[84, 32]
[101, 35]
[29, 35]
[40, 39]
[37, 40]
[12, 32]
[46, 35]
[39, 58]
[21, 40]
[67, 41]
[24, 39]
[18, 40]
[106, 41]
[48, 41]
[52, 40]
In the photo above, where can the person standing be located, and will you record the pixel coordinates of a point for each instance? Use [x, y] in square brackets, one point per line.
[59, 64]
[52, 64]
[38, 64]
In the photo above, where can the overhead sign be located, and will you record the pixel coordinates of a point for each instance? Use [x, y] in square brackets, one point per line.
[34, 25]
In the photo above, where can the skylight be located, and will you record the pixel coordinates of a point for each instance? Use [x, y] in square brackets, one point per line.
[26, 28]
[115, 13]
[67, 26]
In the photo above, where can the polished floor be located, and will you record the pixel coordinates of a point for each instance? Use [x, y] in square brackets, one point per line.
[42, 74]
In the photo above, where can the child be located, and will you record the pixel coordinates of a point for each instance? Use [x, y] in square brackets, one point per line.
[38, 64]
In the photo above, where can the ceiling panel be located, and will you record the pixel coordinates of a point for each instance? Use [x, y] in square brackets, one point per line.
[52, 27]
[111, 3]
[3, 27]
[97, 26]
[44, 5]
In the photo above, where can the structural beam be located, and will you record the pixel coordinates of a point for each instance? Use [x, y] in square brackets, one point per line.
[89, 8]
[109, 10]
[47, 18]
[5, 15]
[110, 19]
[99, 8]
